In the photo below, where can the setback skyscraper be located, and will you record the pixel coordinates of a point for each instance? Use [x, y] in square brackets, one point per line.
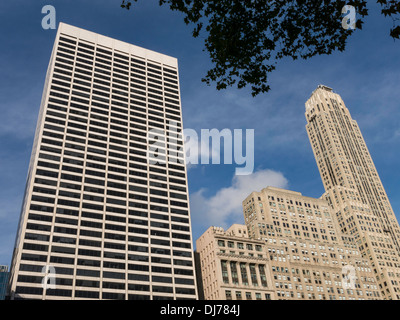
[342, 246]
[353, 187]
[102, 217]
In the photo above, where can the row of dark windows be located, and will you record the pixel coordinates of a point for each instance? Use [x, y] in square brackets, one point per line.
[123, 90]
[150, 122]
[137, 112]
[89, 171]
[115, 118]
[109, 217]
[111, 160]
[84, 78]
[151, 105]
[67, 56]
[157, 156]
[100, 199]
[95, 113]
[86, 272]
[81, 261]
[88, 294]
[138, 215]
[109, 235]
[96, 295]
[151, 93]
[74, 186]
[65, 176]
[114, 143]
[92, 165]
[117, 86]
[107, 54]
[115, 72]
[113, 210]
[55, 96]
[110, 245]
[105, 71]
[157, 168]
[106, 254]
[97, 225]
[138, 222]
[137, 219]
[97, 198]
[74, 212]
[108, 284]
[112, 265]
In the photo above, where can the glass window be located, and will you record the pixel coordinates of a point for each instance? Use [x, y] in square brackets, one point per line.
[243, 271]
[234, 273]
[253, 274]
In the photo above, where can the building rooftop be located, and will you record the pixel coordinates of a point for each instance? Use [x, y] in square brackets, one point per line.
[116, 44]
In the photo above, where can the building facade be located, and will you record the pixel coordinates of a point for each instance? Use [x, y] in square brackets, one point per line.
[232, 266]
[353, 187]
[342, 246]
[311, 259]
[297, 241]
[106, 211]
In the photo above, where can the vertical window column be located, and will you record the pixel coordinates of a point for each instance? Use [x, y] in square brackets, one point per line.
[263, 276]
[253, 275]
[234, 272]
[244, 274]
[224, 269]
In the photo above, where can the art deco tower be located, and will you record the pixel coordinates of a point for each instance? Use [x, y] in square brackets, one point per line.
[353, 187]
[100, 218]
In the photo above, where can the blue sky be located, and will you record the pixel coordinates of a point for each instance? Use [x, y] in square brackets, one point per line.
[367, 76]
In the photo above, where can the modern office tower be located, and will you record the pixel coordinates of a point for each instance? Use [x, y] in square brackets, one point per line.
[233, 266]
[353, 186]
[3, 281]
[106, 213]
[309, 256]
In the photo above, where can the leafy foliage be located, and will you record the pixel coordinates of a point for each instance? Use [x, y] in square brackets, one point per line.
[391, 8]
[247, 38]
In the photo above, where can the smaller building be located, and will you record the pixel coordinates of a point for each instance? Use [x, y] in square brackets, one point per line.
[233, 266]
[3, 281]
[291, 248]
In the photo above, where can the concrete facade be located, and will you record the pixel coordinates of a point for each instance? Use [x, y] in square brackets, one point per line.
[233, 266]
[104, 216]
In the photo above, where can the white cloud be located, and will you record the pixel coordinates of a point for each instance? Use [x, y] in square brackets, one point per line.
[225, 207]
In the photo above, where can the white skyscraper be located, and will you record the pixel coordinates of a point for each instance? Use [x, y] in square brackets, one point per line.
[100, 219]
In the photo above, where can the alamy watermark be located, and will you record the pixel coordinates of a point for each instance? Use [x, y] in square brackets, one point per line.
[49, 20]
[349, 20]
[49, 279]
[348, 277]
[200, 149]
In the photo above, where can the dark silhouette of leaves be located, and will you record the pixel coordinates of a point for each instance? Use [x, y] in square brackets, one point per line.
[246, 39]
